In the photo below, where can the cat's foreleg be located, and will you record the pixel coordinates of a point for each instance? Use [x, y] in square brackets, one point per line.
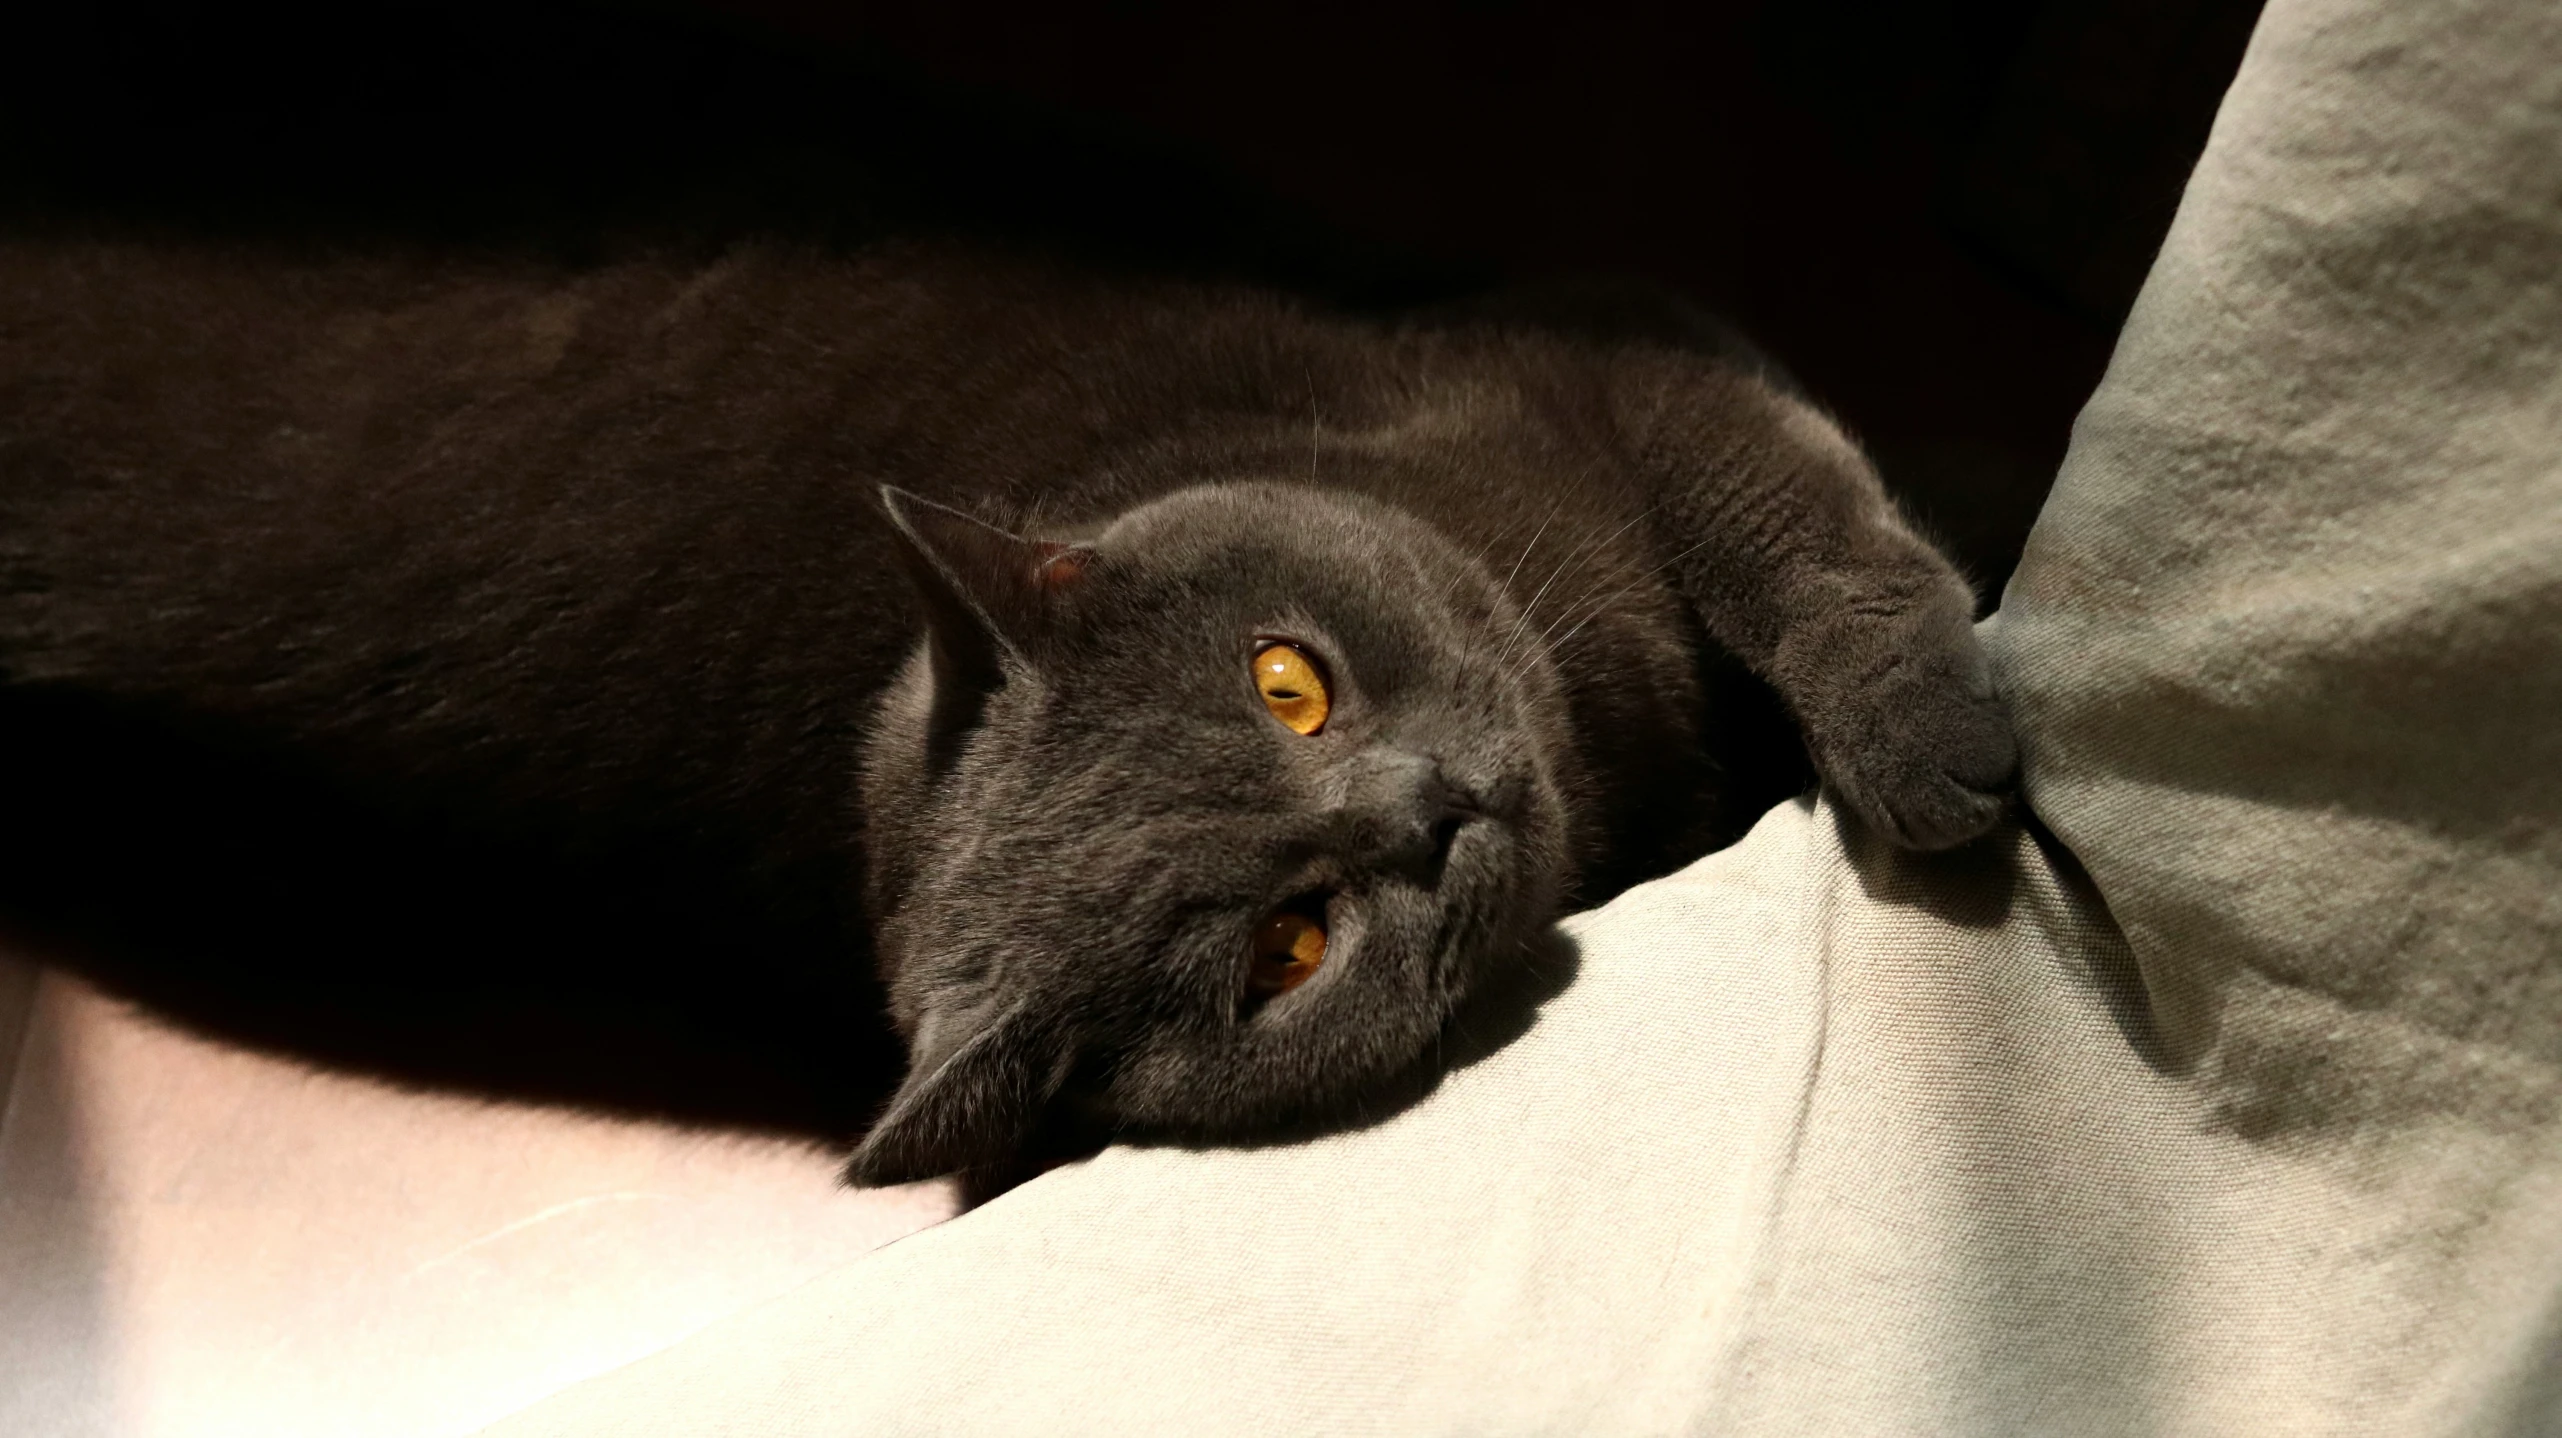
[1777, 531]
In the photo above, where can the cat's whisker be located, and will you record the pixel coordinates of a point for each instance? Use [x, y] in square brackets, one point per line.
[1477, 561]
[1523, 617]
[1515, 572]
[1573, 609]
[1615, 595]
[1535, 536]
[1498, 537]
[1603, 604]
[1522, 620]
[1514, 655]
[1514, 525]
[1583, 558]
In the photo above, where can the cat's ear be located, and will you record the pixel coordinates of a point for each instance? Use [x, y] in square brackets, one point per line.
[986, 591]
[988, 594]
[969, 1101]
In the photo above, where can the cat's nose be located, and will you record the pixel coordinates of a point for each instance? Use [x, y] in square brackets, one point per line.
[1401, 811]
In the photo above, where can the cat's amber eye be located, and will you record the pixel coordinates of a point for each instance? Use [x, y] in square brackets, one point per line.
[1287, 949]
[1291, 687]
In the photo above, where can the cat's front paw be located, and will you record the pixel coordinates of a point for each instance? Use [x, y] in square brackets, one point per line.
[1917, 744]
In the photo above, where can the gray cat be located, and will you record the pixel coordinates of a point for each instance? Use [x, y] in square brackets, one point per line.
[1182, 698]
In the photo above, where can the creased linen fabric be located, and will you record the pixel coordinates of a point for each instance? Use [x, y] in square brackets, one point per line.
[2235, 1106]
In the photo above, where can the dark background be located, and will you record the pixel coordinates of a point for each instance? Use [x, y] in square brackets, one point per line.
[1936, 214]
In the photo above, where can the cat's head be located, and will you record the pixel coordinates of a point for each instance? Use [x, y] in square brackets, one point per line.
[1200, 822]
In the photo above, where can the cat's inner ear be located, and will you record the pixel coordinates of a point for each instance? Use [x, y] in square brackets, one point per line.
[977, 577]
[970, 1100]
[987, 593]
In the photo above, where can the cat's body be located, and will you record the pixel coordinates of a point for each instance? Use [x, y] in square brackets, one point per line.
[591, 568]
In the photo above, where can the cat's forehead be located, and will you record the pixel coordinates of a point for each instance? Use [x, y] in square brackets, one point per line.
[1181, 582]
[1215, 524]
[1261, 553]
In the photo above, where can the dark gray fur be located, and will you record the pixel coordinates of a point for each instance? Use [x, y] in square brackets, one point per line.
[599, 562]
